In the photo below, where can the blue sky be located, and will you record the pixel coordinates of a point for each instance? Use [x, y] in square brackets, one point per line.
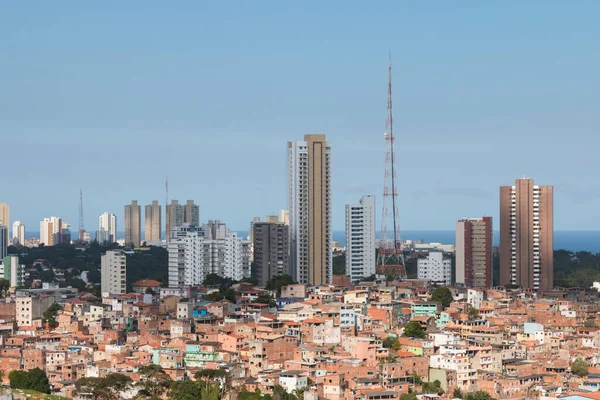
[114, 96]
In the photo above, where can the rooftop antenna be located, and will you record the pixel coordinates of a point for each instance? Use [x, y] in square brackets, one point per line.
[167, 233]
[81, 225]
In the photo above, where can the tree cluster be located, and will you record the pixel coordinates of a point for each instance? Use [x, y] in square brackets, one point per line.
[34, 379]
[277, 282]
[580, 367]
[479, 395]
[279, 393]
[442, 295]
[391, 342]
[414, 330]
[107, 388]
[49, 316]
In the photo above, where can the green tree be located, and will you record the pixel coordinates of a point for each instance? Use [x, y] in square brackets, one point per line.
[443, 295]
[432, 387]
[457, 393]
[77, 283]
[479, 395]
[18, 379]
[210, 374]
[38, 381]
[251, 280]
[190, 390]
[94, 276]
[106, 388]
[4, 287]
[93, 387]
[49, 316]
[391, 343]
[580, 367]
[247, 395]
[590, 323]
[281, 394]
[413, 329]
[408, 396]
[265, 298]
[277, 282]
[473, 313]
[154, 381]
[339, 264]
[149, 264]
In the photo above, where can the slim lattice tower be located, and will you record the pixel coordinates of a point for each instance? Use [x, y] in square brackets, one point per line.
[167, 233]
[81, 225]
[390, 260]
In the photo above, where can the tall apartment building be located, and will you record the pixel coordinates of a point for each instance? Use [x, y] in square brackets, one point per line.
[527, 235]
[152, 227]
[113, 272]
[360, 238]
[51, 230]
[3, 241]
[63, 236]
[271, 247]
[5, 217]
[174, 217]
[474, 252]
[435, 269]
[193, 255]
[309, 198]
[191, 213]
[18, 233]
[12, 271]
[107, 228]
[133, 223]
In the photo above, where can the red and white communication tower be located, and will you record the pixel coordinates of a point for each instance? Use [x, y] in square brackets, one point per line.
[390, 260]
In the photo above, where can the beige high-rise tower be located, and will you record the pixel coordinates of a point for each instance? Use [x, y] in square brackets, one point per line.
[152, 231]
[191, 213]
[526, 235]
[309, 175]
[174, 217]
[5, 217]
[132, 223]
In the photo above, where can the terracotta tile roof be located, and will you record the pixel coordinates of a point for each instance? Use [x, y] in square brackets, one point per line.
[147, 283]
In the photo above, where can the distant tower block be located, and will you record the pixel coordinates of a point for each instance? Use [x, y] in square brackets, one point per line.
[390, 260]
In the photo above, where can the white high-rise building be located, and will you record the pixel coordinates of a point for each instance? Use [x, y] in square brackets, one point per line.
[360, 238]
[18, 233]
[284, 217]
[194, 254]
[48, 227]
[107, 228]
[113, 273]
[435, 269]
[309, 201]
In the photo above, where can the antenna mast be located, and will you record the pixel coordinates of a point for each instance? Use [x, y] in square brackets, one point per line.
[167, 233]
[390, 259]
[81, 225]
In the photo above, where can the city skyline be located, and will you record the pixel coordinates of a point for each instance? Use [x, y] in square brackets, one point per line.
[453, 96]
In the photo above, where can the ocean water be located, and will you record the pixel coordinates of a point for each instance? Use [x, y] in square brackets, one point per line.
[567, 240]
